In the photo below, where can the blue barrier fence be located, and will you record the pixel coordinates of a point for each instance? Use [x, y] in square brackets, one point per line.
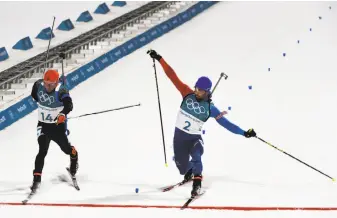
[119, 3]
[85, 17]
[45, 34]
[66, 25]
[27, 105]
[3, 54]
[102, 9]
[23, 44]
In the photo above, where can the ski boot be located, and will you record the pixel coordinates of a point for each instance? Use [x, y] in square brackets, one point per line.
[188, 176]
[36, 182]
[73, 161]
[73, 167]
[196, 185]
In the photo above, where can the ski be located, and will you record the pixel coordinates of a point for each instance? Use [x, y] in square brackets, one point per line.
[191, 199]
[73, 179]
[170, 187]
[31, 194]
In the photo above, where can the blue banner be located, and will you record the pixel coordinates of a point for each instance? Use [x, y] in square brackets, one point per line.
[141, 40]
[27, 105]
[165, 27]
[17, 111]
[3, 120]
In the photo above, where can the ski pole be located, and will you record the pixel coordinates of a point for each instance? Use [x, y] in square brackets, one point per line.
[63, 56]
[100, 112]
[221, 76]
[161, 119]
[51, 36]
[295, 158]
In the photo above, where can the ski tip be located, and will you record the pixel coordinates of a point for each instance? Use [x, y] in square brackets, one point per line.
[185, 206]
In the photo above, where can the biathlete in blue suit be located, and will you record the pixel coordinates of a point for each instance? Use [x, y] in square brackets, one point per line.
[195, 109]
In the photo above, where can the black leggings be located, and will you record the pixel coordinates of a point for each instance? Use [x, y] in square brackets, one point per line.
[46, 133]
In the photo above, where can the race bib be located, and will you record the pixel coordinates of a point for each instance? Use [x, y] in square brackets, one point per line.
[47, 115]
[188, 123]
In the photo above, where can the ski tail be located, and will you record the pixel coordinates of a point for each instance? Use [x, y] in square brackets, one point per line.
[170, 187]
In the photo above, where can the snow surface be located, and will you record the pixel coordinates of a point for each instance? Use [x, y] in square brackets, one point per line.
[293, 106]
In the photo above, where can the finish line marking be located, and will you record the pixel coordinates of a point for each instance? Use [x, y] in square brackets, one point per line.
[236, 208]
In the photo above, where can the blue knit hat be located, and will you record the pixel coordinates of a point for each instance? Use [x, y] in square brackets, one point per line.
[204, 83]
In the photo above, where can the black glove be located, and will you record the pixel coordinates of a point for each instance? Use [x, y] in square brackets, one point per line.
[250, 133]
[153, 54]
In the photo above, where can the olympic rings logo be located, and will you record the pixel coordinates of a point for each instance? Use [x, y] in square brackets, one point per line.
[46, 98]
[191, 105]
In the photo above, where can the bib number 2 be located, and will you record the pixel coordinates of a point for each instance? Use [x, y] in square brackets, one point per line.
[187, 126]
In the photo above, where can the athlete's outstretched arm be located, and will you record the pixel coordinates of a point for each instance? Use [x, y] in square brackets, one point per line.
[215, 113]
[182, 87]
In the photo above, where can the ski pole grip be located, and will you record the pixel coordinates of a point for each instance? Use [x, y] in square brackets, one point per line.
[224, 75]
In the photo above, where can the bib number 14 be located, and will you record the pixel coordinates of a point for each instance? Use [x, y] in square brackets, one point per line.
[48, 117]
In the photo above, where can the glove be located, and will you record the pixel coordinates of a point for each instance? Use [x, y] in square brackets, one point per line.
[250, 133]
[60, 118]
[153, 54]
